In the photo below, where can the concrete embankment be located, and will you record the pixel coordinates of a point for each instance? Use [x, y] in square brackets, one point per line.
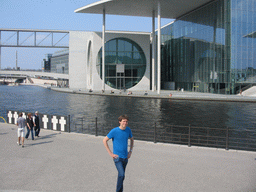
[76, 162]
[164, 94]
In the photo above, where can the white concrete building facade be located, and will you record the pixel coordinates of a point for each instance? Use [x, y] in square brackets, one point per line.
[85, 57]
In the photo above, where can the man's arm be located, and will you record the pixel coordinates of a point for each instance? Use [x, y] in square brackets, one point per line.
[105, 142]
[131, 147]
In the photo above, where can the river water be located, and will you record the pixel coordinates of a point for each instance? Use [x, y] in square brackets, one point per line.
[144, 113]
[237, 115]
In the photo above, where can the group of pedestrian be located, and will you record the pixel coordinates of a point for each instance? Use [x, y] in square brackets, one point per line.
[32, 123]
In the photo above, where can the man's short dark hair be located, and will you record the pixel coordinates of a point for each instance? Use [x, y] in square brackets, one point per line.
[20, 114]
[123, 117]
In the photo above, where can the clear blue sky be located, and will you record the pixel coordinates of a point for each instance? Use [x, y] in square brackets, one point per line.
[56, 15]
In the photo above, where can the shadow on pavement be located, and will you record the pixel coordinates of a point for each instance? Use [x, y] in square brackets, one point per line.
[41, 138]
[3, 133]
[33, 144]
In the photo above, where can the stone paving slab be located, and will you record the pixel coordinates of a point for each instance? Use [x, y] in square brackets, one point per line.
[59, 161]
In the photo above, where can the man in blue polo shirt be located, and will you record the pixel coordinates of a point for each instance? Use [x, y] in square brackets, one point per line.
[120, 154]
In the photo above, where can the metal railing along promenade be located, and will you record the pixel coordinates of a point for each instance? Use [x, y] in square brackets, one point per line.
[226, 138]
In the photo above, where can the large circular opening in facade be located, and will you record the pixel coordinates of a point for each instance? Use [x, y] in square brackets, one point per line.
[125, 63]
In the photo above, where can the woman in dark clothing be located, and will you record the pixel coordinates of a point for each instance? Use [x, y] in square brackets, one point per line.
[30, 125]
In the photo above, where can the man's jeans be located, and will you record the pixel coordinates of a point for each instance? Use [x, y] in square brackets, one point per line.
[37, 131]
[28, 131]
[120, 166]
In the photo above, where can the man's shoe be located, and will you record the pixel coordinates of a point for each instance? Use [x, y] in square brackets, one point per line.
[18, 143]
[22, 146]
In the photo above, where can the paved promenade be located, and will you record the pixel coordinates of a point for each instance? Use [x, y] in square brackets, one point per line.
[76, 162]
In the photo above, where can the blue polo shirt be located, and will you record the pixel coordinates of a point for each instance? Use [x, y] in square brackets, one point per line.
[120, 141]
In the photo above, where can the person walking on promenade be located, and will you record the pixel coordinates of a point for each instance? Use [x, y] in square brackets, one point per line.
[37, 126]
[120, 154]
[30, 125]
[21, 122]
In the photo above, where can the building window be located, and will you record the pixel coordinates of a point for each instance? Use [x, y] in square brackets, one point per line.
[125, 63]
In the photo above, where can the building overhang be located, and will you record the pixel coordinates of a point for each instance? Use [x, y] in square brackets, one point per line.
[171, 9]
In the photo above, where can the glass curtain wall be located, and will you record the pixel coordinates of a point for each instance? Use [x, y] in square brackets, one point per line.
[196, 50]
[125, 63]
[243, 44]
[59, 64]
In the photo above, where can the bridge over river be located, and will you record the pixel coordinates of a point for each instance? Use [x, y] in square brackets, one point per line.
[12, 76]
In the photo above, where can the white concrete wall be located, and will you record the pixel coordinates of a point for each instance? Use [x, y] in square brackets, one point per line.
[250, 92]
[79, 65]
[96, 45]
[77, 59]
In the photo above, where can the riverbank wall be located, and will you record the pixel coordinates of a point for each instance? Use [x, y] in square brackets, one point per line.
[164, 94]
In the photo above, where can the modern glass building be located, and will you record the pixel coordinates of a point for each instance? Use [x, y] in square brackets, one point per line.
[46, 63]
[211, 49]
[59, 62]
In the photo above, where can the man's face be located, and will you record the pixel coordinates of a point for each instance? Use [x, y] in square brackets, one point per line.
[123, 123]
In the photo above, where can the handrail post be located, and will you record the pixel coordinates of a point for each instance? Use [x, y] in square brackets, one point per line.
[155, 134]
[82, 125]
[171, 132]
[227, 139]
[189, 134]
[96, 128]
[208, 136]
[69, 123]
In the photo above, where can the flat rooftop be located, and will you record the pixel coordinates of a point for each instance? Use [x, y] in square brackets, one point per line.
[171, 9]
